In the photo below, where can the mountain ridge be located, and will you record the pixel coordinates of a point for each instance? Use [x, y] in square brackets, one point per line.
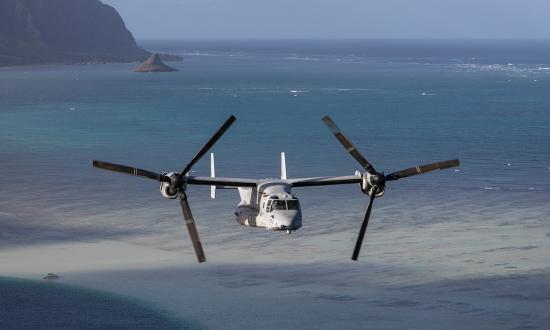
[65, 31]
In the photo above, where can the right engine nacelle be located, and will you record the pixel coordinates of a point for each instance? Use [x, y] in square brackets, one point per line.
[166, 189]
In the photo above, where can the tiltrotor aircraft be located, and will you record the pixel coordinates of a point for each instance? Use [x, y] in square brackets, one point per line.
[270, 203]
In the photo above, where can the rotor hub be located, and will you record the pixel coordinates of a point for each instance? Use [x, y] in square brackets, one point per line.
[377, 180]
[174, 187]
[177, 181]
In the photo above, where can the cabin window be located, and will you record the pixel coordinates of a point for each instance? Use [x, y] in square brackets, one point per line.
[293, 204]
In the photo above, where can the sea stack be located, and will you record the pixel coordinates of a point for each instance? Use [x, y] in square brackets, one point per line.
[154, 64]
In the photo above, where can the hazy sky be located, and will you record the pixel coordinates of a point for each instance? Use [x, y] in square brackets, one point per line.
[336, 18]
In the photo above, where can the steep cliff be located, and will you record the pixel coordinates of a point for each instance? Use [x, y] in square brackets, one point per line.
[64, 31]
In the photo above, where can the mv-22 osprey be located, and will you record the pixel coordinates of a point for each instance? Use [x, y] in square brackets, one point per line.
[270, 203]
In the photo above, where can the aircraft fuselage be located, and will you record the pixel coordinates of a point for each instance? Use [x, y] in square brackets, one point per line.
[271, 205]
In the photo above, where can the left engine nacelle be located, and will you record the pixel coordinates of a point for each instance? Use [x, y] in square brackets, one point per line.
[166, 189]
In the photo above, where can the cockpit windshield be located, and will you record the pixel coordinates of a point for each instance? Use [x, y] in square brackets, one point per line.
[293, 204]
[279, 205]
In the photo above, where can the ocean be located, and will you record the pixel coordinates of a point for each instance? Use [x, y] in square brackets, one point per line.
[464, 247]
[402, 102]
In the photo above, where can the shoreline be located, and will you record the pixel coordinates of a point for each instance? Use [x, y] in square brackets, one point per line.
[38, 65]
[165, 57]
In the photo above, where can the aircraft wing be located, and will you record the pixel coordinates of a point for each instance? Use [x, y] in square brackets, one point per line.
[324, 181]
[219, 181]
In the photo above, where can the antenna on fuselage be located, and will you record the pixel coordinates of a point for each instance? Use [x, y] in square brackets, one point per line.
[283, 166]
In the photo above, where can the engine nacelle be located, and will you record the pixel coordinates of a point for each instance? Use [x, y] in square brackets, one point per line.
[368, 188]
[166, 189]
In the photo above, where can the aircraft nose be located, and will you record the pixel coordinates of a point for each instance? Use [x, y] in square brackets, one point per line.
[289, 219]
[285, 221]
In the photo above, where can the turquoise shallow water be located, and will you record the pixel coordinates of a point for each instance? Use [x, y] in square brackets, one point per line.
[403, 104]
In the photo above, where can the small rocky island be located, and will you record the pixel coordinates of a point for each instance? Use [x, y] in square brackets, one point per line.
[154, 64]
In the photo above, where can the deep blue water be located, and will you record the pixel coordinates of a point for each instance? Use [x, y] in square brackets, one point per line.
[403, 103]
[33, 305]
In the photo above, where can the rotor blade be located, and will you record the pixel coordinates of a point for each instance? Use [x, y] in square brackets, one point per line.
[422, 169]
[209, 144]
[130, 170]
[348, 145]
[193, 233]
[363, 228]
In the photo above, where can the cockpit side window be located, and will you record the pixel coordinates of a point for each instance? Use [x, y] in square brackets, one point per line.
[268, 207]
[293, 204]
